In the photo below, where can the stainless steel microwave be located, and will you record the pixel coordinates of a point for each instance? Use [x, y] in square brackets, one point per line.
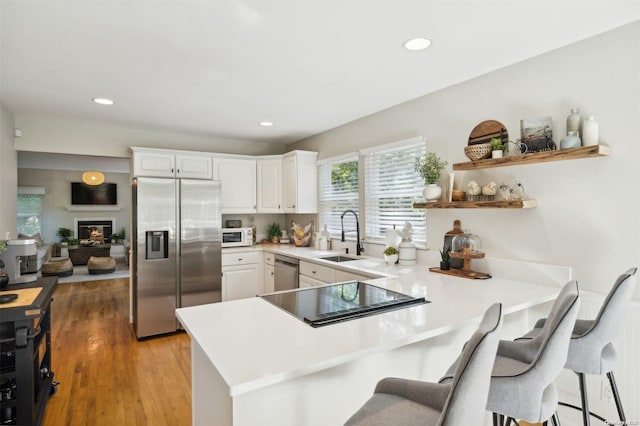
[237, 237]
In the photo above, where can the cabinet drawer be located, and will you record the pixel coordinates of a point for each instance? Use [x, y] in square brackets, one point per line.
[306, 282]
[349, 276]
[242, 258]
[319, 272]
[269, 259]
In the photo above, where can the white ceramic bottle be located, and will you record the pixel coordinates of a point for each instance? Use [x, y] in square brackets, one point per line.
[590, 131]
[573, 121]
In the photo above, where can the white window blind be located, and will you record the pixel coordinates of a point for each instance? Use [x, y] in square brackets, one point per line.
[29, 214]
[338, 181]
[391, 186]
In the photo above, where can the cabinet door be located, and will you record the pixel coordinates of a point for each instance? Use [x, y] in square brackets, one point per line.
[194, 166]
[289, 184]
[269, 279]
[240, 282]
[300, 182]
[153, 164]
[306, 282]
[238, 177]
[270, 185]
[349, 276]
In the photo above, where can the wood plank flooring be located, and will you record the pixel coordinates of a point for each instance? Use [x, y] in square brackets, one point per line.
[108, 377]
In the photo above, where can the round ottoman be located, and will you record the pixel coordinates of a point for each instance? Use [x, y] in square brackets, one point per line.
[61, 267]
[101, 265]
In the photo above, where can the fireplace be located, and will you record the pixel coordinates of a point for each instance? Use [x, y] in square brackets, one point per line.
[94, 230]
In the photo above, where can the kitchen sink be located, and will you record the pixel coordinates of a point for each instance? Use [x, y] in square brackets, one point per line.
[338, 258]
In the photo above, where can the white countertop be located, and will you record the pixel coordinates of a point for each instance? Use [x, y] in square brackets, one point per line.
[254, 344]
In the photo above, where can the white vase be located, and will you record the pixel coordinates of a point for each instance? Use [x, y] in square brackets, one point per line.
[590, 131]
[390, 258]
[496, 153]
[432, 192]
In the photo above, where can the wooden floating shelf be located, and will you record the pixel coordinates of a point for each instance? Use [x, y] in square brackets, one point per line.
[510, 204]
[537, 157]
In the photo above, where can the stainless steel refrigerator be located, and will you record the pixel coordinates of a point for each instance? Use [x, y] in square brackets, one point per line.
[176, 250]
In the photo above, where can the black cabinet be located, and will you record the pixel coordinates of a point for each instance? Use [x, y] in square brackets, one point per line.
[26, 379]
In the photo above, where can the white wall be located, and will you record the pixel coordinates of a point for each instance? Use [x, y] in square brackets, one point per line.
[587, 215]
[51, 134]
[8, 176]
[57, 198]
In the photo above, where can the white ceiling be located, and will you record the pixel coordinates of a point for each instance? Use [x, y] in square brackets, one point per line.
[217, 68]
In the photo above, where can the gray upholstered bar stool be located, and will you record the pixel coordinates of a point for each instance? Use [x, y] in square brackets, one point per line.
[591, 348]
[522, 380]
[459, 403]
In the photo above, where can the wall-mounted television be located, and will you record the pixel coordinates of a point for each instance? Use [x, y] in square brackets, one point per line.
[103, 194]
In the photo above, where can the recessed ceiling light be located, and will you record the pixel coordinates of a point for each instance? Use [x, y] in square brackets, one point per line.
[103, 101]
[266, 123]
[416, 44]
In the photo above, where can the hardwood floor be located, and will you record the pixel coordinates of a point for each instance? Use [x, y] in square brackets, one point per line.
[108, 377]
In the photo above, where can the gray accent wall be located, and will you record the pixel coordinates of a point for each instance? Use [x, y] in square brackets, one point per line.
[587, 215]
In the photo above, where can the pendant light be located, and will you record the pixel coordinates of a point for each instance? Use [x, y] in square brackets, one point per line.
[92, 178]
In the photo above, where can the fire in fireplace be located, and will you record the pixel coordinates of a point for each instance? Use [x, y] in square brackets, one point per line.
[94, 229]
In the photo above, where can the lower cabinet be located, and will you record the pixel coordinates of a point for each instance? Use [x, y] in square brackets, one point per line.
[312, 274]
[241, 275]
[269, 273]
[306, 282]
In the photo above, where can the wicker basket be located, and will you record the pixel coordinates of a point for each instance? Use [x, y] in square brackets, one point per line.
[478, 152]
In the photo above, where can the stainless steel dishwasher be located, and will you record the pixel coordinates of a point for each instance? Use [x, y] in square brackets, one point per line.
[286, 273]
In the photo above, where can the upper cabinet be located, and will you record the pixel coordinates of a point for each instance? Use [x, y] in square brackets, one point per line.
[162, 163]
[238, 177]
[250, 184]
[300, 182]
[270, 184]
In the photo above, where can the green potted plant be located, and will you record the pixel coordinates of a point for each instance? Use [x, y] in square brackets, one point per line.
[430, 167]
[391, 255]
[64, 234]
[497, 148]
[274, 232]
[444, 256]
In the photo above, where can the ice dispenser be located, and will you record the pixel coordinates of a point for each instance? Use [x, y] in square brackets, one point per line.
[157, 245]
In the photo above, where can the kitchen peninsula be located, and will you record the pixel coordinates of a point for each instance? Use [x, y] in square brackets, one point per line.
[255, 364]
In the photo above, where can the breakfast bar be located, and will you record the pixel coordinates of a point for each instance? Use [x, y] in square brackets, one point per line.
[256, 364]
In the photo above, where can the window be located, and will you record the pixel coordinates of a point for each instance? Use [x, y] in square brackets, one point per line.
[29, 214]
[392, 185]
[338, 181]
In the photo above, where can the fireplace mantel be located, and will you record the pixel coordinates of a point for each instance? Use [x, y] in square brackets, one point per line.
[93, 208]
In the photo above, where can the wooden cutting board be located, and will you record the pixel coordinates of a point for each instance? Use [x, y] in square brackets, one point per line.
[472, 275]
[26, 296]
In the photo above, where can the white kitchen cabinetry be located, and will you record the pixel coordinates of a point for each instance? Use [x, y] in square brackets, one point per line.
[349, 276]
[306, 282]
[172, 164]
[300, 182]
[312, 274]
[238, 177]
[269, 273]
[241, 275]
[270, 184]
[321, 273]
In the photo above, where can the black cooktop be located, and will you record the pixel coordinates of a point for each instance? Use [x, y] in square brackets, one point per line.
[319, 306]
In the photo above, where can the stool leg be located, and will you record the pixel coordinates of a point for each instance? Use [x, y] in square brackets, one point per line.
[555, 419]
[495, 419]
[585, 400]
[616, 396]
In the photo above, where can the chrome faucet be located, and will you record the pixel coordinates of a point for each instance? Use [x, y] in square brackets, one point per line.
[359, 248]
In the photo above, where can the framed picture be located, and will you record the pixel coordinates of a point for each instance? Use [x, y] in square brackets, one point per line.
[536, 135]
